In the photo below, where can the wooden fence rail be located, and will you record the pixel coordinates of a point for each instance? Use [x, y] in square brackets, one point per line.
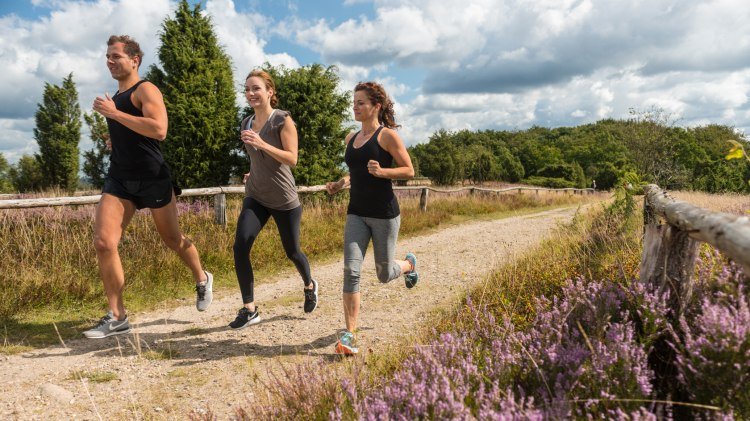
[219, 194]
[669, 250]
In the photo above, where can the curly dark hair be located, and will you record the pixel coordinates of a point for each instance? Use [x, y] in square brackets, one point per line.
[377, 95]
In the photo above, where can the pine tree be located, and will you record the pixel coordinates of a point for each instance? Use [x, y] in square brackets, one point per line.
[5, 182]
[57, 132]
[196, 80]
[311, 95]
[96, 161]
[26, 175]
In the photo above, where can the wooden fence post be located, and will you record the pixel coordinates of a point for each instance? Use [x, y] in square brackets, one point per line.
[220, 209]
[423, 200]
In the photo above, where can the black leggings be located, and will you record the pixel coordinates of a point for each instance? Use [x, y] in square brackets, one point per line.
[253, 217]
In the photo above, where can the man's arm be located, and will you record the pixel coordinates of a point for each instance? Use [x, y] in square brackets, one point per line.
[149, 100]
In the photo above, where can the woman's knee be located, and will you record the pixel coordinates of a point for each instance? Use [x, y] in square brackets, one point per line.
[242, 247]
[296, 256]
[384, 272]
[351, 279]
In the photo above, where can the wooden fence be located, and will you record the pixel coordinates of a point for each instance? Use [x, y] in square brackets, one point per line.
[668, 262]
[219, 196]
[670, 249]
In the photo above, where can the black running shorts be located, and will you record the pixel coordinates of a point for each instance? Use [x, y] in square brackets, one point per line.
[152, 194]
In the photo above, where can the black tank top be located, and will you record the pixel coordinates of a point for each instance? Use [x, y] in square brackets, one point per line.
[370, 196]
[134, 156]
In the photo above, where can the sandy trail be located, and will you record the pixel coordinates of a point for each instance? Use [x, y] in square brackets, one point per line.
[212, 365]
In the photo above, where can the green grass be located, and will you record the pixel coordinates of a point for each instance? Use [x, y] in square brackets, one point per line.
[160, 354]
[9, 349]
[93, 376]
[50, 273]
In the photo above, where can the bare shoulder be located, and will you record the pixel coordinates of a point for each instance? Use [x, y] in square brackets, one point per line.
[389, 137]
[147, 91]
[349, 137]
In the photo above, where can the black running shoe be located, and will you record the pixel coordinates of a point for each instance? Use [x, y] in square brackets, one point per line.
[245, 318]
[311, 297]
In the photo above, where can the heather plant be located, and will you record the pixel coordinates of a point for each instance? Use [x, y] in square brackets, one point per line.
[713, 344]
[554, 369]
[584, 352]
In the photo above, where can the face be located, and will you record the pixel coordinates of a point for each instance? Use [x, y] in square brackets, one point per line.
[120, 65]
[256, 93]
[363, 108]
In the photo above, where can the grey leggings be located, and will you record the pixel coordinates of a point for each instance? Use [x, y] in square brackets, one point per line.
[357, 234]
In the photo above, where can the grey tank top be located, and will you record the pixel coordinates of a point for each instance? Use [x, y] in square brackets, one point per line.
[270, 182]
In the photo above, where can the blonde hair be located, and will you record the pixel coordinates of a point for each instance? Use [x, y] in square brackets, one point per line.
[268, 81]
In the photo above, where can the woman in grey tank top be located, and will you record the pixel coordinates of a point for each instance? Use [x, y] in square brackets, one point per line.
[270, 139]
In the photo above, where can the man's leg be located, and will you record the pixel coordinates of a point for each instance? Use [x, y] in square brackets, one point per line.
[165, 219]
[112, 217]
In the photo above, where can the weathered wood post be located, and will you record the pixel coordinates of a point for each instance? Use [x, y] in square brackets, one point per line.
[423, 199]
[220, 209]
[667, 263]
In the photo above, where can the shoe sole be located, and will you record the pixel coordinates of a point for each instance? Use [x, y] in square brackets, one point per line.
[409, 283]
[207, 304]
[250, 322]
[108, 335]
[344, 350]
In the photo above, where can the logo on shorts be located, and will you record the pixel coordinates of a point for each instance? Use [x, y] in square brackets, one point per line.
[159, 200]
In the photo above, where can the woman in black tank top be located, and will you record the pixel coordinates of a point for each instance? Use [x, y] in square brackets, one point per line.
[373, 212]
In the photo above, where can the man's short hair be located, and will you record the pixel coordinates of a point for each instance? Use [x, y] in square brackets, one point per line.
[131, 47]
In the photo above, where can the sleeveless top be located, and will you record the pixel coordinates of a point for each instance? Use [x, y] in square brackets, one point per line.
[134, 156]
[270, 182]
[370, 196]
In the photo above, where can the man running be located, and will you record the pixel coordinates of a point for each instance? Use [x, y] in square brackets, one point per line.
[138, 178]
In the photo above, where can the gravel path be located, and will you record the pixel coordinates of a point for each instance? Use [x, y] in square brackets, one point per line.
[212, 366]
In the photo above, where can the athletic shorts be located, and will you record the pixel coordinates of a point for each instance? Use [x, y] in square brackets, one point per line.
[152, 194]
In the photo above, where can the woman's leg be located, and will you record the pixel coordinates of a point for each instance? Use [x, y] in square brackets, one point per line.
[356, 238]
[384, 236]
[253, 217]
[288, 223]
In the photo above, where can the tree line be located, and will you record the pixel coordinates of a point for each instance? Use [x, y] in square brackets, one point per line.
[203, 148]
[647, 147]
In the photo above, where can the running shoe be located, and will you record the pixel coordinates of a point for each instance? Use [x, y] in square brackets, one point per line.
[204, 292]
[245, 318]
[412, 277]
[108, 326]
[345, 345]
[311, 297]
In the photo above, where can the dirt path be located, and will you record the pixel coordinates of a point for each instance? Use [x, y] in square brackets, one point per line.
[214, 366]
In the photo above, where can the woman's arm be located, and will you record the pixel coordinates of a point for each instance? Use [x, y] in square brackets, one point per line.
[392, 143]
[288, 154]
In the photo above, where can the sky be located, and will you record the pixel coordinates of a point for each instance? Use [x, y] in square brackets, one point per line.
[472, 64]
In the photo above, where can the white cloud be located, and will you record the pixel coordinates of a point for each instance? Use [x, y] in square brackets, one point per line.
[72, 38]
[502, 64]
